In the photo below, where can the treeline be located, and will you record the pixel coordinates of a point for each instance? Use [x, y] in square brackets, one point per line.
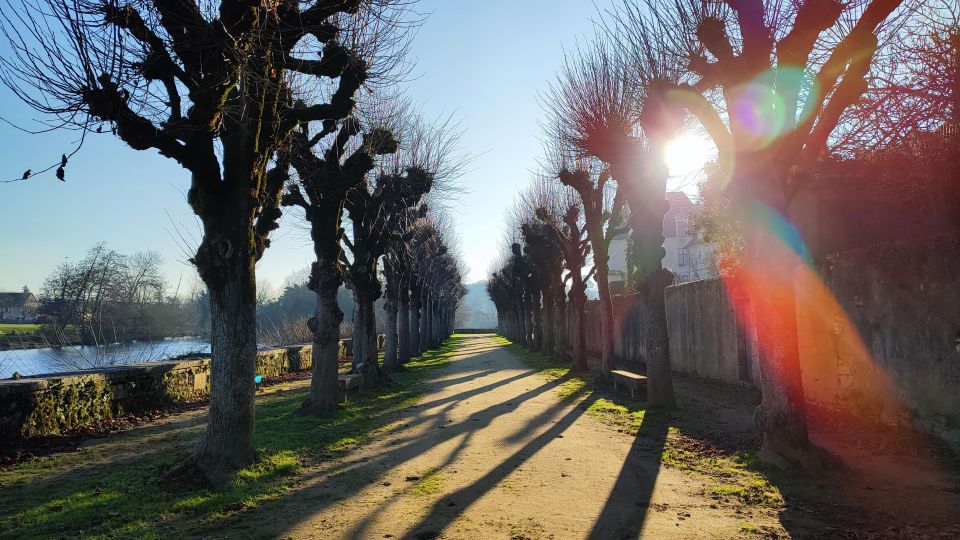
[111, 297]
[789, 95]
[283, 319]
[300, 108]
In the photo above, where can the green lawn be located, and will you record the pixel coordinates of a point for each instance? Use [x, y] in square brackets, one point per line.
[124, 497]
[19, 329]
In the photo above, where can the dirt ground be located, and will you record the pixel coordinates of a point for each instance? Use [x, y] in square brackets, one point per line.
[492, 451]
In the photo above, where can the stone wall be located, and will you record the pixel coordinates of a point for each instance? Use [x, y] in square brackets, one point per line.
[702, 325]
[878, 330]
[58, 403]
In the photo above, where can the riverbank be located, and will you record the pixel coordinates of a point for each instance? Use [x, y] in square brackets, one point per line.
[49, 360]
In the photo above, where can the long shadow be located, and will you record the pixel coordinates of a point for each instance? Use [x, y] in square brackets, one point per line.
[368, 470]
[475, 391]
[444, 383]
[626, 508]
[442, 515]
[359, 531]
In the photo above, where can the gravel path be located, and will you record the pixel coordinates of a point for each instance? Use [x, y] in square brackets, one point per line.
[492, 452]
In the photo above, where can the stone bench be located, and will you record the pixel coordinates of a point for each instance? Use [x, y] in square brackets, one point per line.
[631, 380]
[347, 382]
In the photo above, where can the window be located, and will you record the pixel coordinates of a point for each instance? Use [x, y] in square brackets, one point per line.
[682, 227]
[682, 257]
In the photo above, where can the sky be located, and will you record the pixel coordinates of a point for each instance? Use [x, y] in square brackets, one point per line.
[484, 62]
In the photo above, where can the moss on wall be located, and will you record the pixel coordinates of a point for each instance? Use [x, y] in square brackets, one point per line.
[59, 404]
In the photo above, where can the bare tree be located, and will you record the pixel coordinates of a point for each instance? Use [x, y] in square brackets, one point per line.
[769, 81]
[603, 212]
[209, 86]
[608, 105]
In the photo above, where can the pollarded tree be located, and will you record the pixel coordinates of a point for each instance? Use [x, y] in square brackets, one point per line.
[373, 209]
[561, 223]
[769, 82]
[576, 249]
[209, 86]
[603, 214]
[323, 181]
[608, 106]
[432, 147]
[537, 211]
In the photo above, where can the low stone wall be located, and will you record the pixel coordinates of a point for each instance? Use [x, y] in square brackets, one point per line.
[58, 403]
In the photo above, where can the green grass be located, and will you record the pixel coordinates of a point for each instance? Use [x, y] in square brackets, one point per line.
[430, 482]
[620, 411]
[127, 499]
[19, 329]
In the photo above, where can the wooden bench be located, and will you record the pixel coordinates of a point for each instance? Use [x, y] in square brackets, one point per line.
[346, 382]
[631, 380]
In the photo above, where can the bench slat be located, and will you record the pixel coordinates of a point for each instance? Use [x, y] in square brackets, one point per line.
[628, 375]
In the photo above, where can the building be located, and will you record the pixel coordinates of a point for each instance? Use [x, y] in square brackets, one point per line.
[18, 307]
[687, 255]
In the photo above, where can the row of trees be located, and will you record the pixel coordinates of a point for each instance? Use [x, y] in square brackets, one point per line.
[769, 82]
[258, 102]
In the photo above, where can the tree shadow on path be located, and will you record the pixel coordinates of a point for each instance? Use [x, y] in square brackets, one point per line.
[442, 515]
[625, 510]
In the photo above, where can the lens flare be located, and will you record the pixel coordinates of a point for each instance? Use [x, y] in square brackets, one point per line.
[838, 370]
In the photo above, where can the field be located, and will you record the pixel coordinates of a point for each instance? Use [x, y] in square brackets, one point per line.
[20, 329]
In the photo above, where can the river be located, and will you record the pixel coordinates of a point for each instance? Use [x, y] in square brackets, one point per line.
[38, 361]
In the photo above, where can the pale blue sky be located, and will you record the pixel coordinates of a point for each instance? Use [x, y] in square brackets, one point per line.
[483, 61]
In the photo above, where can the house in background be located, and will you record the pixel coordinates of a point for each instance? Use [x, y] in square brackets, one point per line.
[18, 307]
[688, 256]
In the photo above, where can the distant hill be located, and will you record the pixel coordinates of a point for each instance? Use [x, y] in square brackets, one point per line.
[476, 308]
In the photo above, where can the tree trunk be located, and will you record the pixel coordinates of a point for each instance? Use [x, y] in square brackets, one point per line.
[228, 443]
[391, 357]
[606, 322]
[660, 378]
[403, 324]
[536, 315]
[424, 337]
[546, 323]
[646, 197]
[560, 336]
[365, 351]
[578, 345]
[415, 300]
[781, 415]
[767, 276]
[326, 338]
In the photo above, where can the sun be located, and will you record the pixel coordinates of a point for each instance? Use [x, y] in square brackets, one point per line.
[687, 154]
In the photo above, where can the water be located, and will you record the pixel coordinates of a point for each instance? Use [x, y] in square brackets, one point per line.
[38, 361]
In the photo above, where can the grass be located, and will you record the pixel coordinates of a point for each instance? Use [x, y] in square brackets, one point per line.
[737, 472]
[620, 411]
[430, 482]
[124, 497]
[20, 329]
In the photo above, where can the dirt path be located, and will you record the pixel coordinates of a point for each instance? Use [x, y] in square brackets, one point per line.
[491, 452]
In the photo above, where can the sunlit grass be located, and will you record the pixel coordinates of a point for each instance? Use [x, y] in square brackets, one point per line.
[20, 329]
[127, 499]
[430, 482]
